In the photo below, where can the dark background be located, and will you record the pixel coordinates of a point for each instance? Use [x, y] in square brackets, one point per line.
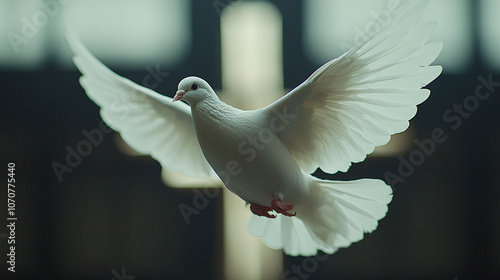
[113, 210]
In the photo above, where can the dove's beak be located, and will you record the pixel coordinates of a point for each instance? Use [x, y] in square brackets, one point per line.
[178, 95]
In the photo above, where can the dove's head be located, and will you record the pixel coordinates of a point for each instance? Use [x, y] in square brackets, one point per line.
[193, 90]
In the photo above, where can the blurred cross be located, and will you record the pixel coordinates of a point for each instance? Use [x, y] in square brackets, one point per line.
[252, 77]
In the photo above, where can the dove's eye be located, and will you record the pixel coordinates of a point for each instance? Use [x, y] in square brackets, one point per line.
[195, 86]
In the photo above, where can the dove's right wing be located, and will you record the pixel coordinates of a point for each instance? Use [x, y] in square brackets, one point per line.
[354, 103]
[149, 122]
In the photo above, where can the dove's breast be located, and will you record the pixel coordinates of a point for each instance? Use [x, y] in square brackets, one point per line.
[247, 155]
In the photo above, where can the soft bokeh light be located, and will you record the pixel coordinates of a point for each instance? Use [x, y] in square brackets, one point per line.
[490, 32]
[22, 44]
[252, 77]
[332, 27]
[129, 33]
[160, 28]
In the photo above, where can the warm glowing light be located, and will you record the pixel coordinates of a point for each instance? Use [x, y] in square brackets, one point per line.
[252, 77]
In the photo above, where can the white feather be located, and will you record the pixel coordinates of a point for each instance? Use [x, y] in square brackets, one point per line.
[356, 102]
[334, 215]
[149, 122]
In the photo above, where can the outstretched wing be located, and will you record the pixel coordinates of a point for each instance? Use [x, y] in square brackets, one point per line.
[149, 122]
[356, 102]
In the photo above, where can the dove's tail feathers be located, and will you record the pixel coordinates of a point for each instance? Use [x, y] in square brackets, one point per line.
[334, 215]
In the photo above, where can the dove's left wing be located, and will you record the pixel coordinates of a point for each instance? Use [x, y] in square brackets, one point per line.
[149, 122]
[356, 102]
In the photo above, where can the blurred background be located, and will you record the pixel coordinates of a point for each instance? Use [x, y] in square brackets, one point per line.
[97, 210]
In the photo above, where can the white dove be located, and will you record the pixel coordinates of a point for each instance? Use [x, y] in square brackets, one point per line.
[334, 118]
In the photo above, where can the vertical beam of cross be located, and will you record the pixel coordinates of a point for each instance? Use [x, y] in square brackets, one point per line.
[252, 77]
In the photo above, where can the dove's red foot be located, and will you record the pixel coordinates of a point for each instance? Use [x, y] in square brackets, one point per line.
[278, 206]
[260, 210]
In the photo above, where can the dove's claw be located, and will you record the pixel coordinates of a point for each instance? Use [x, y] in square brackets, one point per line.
[278, 206]
[263, 211]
